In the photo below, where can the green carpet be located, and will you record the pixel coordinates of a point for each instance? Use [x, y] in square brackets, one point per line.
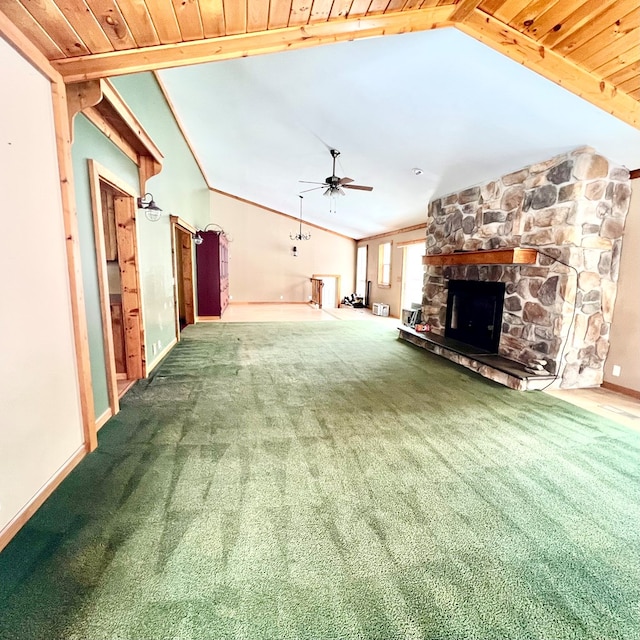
[323, 480]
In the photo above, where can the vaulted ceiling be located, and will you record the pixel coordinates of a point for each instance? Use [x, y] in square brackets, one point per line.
[591, 48]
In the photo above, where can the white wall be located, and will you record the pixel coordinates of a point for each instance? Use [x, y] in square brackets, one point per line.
[40, 418]
[261, 267]
[624, 348]
[389, 295]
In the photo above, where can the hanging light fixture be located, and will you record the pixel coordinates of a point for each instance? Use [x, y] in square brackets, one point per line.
[220, 229]
[198, 239]
[151, 209]
[332, 192]
[300, 235]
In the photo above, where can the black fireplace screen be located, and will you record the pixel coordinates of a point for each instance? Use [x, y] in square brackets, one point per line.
[474, 313]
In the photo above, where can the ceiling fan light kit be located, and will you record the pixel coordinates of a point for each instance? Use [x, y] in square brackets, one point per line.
[333, 185]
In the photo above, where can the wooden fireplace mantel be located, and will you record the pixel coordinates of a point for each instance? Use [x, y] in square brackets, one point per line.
[514, 255]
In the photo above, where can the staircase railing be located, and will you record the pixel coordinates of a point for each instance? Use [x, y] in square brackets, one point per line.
[316, 291]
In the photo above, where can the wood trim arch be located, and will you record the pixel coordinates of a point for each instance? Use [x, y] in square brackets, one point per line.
[104, 107]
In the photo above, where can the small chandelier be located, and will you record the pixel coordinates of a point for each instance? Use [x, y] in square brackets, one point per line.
[300, 235]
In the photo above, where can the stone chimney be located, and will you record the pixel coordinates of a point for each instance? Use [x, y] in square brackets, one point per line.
[572, 209]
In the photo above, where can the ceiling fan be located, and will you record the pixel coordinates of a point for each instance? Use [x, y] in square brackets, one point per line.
[333, 185]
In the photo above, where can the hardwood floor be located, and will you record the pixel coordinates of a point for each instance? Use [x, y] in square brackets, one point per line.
[124, 386]
[609, 404]
[292, 312]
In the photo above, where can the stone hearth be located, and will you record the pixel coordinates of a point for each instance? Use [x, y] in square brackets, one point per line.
[572, 209]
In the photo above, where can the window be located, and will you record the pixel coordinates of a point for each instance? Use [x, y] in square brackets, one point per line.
[384, 265]
[361, 272]
[412, 275]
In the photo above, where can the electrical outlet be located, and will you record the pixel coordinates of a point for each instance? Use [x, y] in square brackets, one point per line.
[230, 297]
[616, 370]
[281, 297]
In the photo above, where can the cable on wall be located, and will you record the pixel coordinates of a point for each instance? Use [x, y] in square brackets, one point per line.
[575, 307]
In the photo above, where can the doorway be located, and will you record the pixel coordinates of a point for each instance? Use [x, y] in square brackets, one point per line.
[183, 263]
[412, 275]
[330, 290]
[361, 272]
[114, 218]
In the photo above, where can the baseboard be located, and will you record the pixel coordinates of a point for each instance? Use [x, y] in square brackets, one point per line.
[620, 389]
[22, 517]
[161, 355]
[237, 303]
[101, 420]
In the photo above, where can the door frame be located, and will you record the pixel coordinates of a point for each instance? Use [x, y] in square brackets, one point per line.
[188, 266]
[131, 303]
[364, 247]
[338, 278]
[404, 245]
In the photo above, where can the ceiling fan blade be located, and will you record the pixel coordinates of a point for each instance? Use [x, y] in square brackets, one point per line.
[312, 189]
[345, 180]
[360, 187]
[311, 182]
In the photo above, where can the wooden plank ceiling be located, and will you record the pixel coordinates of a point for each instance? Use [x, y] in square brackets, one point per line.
[591, 47]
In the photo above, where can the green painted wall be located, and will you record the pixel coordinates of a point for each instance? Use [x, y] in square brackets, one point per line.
[179, 189]
[90, 143]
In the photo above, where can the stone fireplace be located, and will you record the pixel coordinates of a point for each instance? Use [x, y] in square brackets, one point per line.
[571, 210]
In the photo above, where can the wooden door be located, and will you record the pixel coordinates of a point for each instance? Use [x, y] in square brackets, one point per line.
[130, 287]
[184, 277]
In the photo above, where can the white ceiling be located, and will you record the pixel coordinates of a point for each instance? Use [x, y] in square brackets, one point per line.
[437, 100]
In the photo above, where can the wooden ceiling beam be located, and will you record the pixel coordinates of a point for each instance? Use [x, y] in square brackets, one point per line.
[128, 124]
[552, 66]
[118, 63]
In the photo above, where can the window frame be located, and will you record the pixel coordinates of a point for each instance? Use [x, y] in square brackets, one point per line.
[382, 282]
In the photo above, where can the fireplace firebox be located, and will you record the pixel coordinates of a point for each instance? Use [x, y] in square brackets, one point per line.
[474, 313]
